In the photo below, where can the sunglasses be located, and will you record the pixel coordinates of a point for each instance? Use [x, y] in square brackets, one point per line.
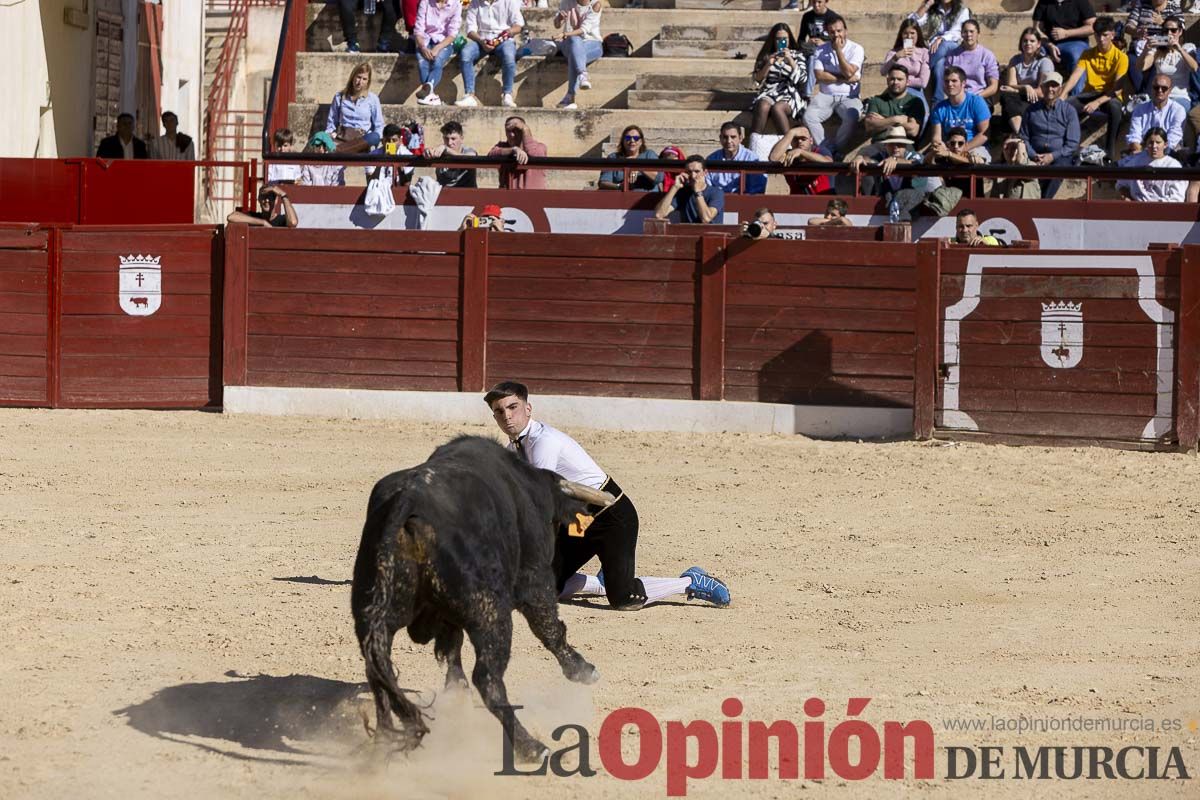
[632, 137]
[1162, 88]
[955, 143]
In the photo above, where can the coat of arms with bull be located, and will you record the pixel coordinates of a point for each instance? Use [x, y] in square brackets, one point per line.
[1062, 334]
[140, 284]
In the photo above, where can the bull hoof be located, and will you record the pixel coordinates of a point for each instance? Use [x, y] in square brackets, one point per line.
[586, 674]
[532, 752]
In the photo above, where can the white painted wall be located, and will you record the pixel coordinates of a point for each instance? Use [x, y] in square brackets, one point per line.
[45, 72]
[47, 80]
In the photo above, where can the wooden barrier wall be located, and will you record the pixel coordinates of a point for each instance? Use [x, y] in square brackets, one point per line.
[74, 335]
[24, 314]
[1060, 343]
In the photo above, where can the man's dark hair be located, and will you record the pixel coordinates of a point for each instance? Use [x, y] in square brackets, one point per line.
[1102, 25]
[453, 126]
[695, 158]
[390, 130]
[831, 19]
[760, 211]
[958, 130]
[898, 68]
[966, 212]
[731, 126]
[125, 115]
[283, 136]
[959, 71]
[506, 389]
[171, 114]
[518, 119]
[838, 206]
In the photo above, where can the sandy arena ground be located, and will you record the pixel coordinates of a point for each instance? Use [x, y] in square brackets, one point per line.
[175, 606]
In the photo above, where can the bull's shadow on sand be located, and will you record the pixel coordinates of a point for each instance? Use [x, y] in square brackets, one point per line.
[261, 714]
[314, 580]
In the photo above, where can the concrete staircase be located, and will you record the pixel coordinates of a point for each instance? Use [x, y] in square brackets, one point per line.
[690, 72]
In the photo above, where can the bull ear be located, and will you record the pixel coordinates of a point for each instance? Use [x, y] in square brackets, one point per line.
[586, 493]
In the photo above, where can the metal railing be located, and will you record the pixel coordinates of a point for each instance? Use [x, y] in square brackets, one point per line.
[592, 163]
[229, 134]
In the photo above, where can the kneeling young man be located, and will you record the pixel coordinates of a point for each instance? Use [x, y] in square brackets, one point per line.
[612, 533]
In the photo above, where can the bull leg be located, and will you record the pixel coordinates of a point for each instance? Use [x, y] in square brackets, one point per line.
[493, 642]
[540, 608]
[448, 649]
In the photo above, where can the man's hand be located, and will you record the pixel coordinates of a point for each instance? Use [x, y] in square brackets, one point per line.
[1092, 106]
[857, 163]
[889, 165]
[699, 184]
[939, 148]
[875, 116]
[1058, 33]
[1031, 94]
[1135, 147]
[520, 155]
[1044, 159]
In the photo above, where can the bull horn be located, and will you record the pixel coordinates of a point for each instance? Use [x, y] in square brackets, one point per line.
[586, 493]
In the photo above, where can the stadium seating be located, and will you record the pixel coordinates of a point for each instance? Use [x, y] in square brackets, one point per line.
[687, 74]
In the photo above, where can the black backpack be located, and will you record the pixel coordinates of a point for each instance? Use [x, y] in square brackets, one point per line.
[617, 44]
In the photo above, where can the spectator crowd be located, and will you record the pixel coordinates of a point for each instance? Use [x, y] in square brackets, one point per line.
[948, 99]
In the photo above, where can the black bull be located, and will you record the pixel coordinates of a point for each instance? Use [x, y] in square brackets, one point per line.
[457, 544]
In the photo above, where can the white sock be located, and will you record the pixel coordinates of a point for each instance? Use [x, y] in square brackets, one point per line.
[658, 588]
[580, 583]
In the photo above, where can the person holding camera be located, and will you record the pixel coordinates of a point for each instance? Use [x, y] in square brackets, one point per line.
[1143, 25]
[781, 71]
[276, 210]
[392, 145]
[764, 226]
[1169, 56]
[696, 200]
[489, 217]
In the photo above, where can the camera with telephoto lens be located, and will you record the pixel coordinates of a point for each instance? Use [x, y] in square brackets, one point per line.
[753, 229]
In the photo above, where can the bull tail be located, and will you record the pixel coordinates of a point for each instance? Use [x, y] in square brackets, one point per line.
[380, 623]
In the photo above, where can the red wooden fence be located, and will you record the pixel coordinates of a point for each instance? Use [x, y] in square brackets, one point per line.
[25, 300]
[1059, 343]
[71, 337]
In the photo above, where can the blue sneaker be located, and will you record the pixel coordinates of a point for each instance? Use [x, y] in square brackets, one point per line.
[706, 587]
[352, 47]
[600, 577]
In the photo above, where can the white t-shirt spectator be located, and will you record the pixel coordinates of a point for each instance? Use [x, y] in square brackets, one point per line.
[582, 17]
[490, 20]
[283, 173]
[1174, 67]
[1153, 191]
[826, 59]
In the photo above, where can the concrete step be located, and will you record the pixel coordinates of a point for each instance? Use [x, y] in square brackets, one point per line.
[539, 81]
[690, 99]
[675, 83]
[706, 48]
[565, 133]
[730, 5]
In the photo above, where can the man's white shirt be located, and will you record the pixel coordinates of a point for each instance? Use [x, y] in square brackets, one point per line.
[550, 448]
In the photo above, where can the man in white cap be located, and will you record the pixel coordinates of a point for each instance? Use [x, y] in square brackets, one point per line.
[1050, 128]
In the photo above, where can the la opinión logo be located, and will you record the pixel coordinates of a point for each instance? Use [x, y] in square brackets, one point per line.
[739, 748]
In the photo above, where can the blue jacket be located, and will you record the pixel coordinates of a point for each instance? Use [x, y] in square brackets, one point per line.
[1051, 130]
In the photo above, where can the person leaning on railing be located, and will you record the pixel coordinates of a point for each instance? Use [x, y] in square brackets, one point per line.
[796, 148]
[276, 210]
[633, 145]
[1152, 154]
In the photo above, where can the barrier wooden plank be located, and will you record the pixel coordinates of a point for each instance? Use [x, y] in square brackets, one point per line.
[125, 363]
[25, 302]
[347, 309]
[1059, 344]
[1187, 381]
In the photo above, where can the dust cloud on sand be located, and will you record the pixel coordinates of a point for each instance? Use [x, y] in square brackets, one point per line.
[175, 622]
